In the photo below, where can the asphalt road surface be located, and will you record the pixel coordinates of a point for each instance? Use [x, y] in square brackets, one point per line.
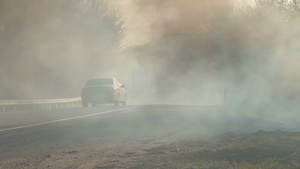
[33, 139]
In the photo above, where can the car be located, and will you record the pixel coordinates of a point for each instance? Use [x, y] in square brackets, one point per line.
[105, 90]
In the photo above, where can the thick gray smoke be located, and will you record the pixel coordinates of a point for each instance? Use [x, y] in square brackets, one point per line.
[206, 48]
[49, 48]
[196, 51]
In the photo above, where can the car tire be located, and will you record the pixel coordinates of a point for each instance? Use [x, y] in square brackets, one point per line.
[84, 104]
[94, 104]
[117, 103]
[124, 103]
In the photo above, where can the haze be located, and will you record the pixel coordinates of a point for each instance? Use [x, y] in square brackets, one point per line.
[202, 52]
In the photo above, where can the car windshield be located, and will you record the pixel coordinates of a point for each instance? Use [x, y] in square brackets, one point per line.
[102, 81]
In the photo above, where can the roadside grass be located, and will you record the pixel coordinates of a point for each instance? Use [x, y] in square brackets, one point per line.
[271, 163]
[266, 164]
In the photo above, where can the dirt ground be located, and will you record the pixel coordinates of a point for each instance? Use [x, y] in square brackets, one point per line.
[261, 150]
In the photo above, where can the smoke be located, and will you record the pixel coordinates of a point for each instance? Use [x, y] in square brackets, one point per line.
[49, 48]
[197, 50]
[194, 51]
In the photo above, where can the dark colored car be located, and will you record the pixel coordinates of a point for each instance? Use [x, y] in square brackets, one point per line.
[103, 91]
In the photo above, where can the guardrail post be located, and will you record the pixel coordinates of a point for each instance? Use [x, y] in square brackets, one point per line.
[225, 96]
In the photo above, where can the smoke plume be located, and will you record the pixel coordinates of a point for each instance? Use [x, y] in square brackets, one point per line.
[202, 49]
[49, 48]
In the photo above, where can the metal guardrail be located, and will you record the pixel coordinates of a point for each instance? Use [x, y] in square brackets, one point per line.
[14, 105]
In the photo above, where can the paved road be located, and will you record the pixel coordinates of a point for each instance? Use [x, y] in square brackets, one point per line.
[21, 130]
[17, 120]
[41, 132]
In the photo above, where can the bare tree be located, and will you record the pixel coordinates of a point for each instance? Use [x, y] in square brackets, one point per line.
[52, 46]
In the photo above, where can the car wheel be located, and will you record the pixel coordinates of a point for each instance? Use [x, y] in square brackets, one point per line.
[117, 103]
[124, 103]
[84, 104]
[94, 104]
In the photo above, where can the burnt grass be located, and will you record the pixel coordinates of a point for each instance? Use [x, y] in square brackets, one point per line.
[261, 149]
[258, 150]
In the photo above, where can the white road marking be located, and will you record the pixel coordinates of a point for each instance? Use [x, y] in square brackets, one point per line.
[66, 119]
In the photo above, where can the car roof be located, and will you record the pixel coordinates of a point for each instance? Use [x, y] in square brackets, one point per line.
[103, 78]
